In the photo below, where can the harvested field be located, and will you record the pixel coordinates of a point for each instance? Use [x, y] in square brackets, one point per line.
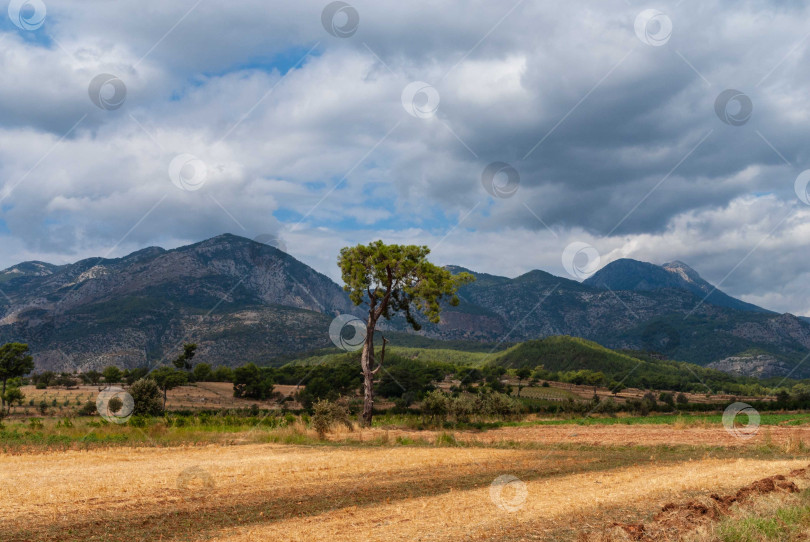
[281, 492]
[606, 435]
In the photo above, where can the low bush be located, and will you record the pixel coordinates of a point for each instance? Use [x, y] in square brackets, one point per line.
[87, 409]
[326, 414]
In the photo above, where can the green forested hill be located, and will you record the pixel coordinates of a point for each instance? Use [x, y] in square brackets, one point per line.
[563, 354]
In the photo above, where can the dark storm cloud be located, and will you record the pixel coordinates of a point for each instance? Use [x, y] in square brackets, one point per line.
[615, 140]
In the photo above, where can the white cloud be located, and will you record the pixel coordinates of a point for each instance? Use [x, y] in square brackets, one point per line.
[331, 141]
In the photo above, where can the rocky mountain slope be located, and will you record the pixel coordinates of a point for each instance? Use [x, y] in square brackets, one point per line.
[242, 300]
[628, 274]
[245, 301]
[670, 319]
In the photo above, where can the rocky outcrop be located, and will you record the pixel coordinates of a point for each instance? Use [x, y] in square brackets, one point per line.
[756, 365]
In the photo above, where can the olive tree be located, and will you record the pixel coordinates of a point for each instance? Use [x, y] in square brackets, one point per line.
[391, 279]
[12, 396]
[147, 398]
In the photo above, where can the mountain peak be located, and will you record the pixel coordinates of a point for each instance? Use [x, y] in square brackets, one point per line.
[629, 274]
[687, 273]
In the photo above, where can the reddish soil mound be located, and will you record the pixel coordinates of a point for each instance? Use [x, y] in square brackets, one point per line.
[683, 517]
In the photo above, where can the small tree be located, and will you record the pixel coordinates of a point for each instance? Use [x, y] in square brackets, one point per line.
[436, 406]
[13, 396]
[462, 408]
[115, 404]
[14, 363]
[390, 279]
[112, 374]
[147, 398]
[130, 376]
[522, 374]
[92, 377]
[183, 361]
[202, 372]
[249, 381]
[87, 409]
[167, 379]
[223, 374]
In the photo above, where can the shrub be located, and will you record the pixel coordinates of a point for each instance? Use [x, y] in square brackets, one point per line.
[88, 409]
[202, 372]
[147, 398]
[176, 421]
[435, 406]
[325, 414]
[223, 374]
[498, 405]
[446, 439]
[666, 398]
[250, 381]
[608, 406]
[462, 408]
[139, 421]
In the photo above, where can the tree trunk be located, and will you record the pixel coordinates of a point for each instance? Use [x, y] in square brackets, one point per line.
[367, 366]
[3, 396]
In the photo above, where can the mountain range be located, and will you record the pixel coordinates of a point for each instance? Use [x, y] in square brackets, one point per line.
[244, 301]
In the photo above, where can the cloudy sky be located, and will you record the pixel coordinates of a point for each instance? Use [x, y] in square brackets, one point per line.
[665, 131]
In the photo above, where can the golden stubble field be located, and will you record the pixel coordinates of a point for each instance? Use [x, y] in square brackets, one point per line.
[344, 492]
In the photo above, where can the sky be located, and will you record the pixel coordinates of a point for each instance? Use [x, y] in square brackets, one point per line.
[506, 136]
